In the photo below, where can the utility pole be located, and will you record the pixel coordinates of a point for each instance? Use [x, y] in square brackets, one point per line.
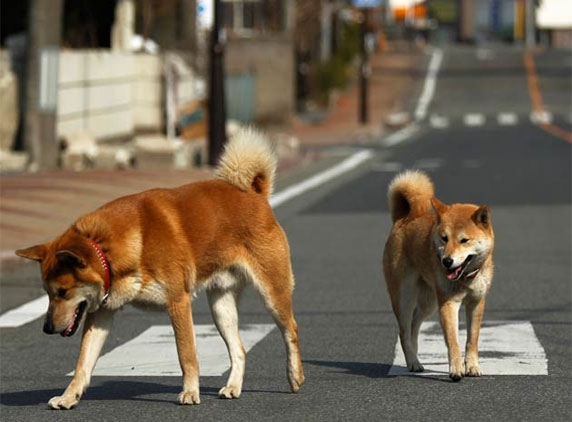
[364, 71]
[530, 24]
[216, 101]
[41, 86]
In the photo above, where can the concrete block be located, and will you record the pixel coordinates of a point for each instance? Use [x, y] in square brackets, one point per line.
[13, 161]
[110, 95]
[158, 152]
[112, 124]
[71, 100]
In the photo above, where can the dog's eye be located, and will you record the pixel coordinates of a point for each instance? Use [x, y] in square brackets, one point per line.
[464, 240]
[444, 238]
[62, 292]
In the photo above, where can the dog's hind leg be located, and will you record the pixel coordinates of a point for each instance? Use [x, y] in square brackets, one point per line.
[223, 303]
[426, 305]
[275, 284]
[407, 302]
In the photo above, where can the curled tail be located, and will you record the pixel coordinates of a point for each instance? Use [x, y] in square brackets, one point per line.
[248, 162]
[410, 194]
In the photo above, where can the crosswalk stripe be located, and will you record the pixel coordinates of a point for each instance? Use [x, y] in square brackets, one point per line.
[541, 117]
[507, 119]
[153, 353]
[505, 348]
[428, 163]
[25, 313]
[439, 122]
[474, 119]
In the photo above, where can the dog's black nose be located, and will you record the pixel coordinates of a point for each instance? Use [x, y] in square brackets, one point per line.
[48, 326]
[447, 262]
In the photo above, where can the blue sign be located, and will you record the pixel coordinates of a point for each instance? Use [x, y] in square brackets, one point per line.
[363, 4]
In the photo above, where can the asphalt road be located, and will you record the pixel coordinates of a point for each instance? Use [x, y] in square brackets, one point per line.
[347, 330]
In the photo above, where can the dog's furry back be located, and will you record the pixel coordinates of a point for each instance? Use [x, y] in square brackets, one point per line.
[410, 194]
[248, 162]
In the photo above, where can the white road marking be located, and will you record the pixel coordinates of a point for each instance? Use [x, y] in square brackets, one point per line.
[471, 164]
[401, 135]
[485, 54]
[30, 311]
[438, 122]
[319, 179]
[429, 86]
[387, 167]
[505, 348]
[541, 117]
[507, 119]
[153, 353]
[24, 314]
[474, 119]
[428, 163]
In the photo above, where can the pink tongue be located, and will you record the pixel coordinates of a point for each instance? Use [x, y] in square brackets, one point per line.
[69, 328]
[453, 275]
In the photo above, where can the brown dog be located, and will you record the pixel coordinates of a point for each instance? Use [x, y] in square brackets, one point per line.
[437, 255]
[157, 247]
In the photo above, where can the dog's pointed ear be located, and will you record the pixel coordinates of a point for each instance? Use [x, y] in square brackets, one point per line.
[439, 207]
[70, 258]
[482, 216]
[36, 253]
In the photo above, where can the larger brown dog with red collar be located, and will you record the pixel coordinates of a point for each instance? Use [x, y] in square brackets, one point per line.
[157, 247]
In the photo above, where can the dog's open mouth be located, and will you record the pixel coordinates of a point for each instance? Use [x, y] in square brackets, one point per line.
[76, 320]
[456, 273]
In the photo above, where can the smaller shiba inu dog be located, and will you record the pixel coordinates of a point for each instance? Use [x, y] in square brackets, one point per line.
[437, 256]
[155, 248]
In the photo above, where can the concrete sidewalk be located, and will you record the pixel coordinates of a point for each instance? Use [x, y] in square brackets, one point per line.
[35, 207]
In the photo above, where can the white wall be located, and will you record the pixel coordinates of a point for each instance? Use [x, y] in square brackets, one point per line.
[110, 95]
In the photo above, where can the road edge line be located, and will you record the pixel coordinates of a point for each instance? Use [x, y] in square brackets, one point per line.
[313, 182]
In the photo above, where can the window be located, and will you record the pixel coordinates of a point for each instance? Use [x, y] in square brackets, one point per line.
[259, 16]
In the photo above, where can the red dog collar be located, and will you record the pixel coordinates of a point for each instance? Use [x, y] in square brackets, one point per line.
[106, 268]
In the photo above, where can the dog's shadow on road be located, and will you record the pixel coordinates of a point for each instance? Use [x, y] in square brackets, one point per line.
[107, 390]
[364, 369]
[371, 370]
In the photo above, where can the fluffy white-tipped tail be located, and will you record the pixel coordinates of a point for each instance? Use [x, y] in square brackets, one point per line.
[248, 162]
[410, 194]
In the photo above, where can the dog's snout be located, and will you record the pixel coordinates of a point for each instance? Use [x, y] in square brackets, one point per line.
[48, 325]
[447, 262]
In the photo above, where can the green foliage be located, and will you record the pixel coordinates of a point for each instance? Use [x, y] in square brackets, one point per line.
[336, 72]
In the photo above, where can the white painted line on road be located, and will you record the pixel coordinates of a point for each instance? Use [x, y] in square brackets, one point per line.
[401, 135]
[319, 179]
[438, 122]
[507, 119]
[429, 86]
[428, 163]
[505, 348]
[24, 314]
[387, 167]
[474, 119]
[153, 353]
[541, 117]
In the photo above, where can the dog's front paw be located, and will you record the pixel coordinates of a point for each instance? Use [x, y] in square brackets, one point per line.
[229, 392]
[456, 372]
[62, 402]
[473, 371]
[189, 397]
[296, 380]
